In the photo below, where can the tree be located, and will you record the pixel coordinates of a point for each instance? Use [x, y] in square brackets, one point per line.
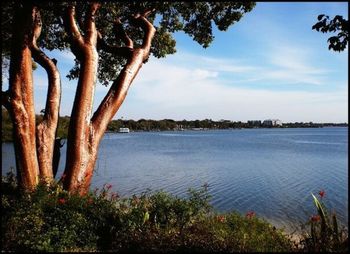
[337, 24]
[99, 35]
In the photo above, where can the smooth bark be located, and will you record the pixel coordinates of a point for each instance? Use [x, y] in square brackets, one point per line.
[85, 133]
[35, 146]
[80, 152]
[46, 130]
[21, 101]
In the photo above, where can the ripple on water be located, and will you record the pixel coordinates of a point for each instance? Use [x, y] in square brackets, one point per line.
[270, 171]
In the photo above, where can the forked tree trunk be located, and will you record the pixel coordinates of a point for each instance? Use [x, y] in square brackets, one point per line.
[80, 152]
[33, 145]
[85, 133]
[21, 101]
[46, 130]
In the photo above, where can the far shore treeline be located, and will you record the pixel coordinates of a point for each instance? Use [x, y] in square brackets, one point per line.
[161, 125]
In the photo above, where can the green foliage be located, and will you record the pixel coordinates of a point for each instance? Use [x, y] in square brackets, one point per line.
[48, 219]
[324, 235]
[336, 25]
[194, 18]
[51, 219]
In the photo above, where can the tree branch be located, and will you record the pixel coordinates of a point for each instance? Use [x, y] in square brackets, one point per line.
[90, 26]
[118, 91]
[149, 31]
[73, 31]
[120, 32]
[116, 94]
[120, 51]
[46, 130]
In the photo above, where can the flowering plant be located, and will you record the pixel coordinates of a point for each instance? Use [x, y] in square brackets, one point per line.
[324, 230]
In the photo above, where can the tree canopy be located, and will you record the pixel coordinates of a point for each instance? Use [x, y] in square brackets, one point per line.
[337, 25]
[196, 19]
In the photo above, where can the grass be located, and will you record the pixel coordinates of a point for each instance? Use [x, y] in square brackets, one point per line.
[51, 219]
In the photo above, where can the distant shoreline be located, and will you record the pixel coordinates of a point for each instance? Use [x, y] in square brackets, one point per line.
[197, 130]
[211, 129]
[170, 125]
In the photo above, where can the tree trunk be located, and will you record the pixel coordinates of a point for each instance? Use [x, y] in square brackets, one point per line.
[85, 133]
[21, 100]
[34, 146]
[80, 151]
[81, 154]
[46, 130]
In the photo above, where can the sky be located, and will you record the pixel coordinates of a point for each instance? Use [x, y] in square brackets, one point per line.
[270, 64]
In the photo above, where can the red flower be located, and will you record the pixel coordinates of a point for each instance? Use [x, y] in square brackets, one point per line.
[315, 218]
[221, 218]
[114, 196]
[321, 193]
[109, 186]
[250, 214]
[61, 201]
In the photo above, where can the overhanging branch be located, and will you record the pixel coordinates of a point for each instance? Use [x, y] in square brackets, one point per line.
[118, 91]
[121, 33]
[73, 31]
[90, 27]
[116, 50]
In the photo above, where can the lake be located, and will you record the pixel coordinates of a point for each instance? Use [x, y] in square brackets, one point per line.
[270, 171]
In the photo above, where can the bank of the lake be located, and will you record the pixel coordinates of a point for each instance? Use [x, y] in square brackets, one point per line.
[49, 219]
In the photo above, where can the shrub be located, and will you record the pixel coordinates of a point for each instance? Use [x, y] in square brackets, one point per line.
[51, 219]
[325, 234]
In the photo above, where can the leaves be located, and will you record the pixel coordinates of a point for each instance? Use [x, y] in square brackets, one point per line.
[325, 235]
[320, 210]
[337, 24]
[320, 16]
[196, 19]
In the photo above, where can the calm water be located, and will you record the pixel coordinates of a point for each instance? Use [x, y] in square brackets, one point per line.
[270, 171]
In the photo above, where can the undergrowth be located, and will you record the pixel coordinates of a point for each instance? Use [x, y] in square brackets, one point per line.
[51, 219]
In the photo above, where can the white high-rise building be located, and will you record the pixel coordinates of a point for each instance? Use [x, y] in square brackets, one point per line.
[272, 122]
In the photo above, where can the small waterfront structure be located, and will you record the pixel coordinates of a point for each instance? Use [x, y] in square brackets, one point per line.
[124, 130]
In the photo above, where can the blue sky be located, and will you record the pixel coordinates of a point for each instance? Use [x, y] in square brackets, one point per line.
[268, 65]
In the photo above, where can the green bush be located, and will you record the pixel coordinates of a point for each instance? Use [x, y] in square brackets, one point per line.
[51, 219]
[325, 234]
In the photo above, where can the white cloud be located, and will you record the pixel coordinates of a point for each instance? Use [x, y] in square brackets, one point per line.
[215, 64]
[172, 91]
[188, 86]
[291, 64]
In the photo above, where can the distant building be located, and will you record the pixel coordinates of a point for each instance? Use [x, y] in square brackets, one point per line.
[254, 123]
[272, 122]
